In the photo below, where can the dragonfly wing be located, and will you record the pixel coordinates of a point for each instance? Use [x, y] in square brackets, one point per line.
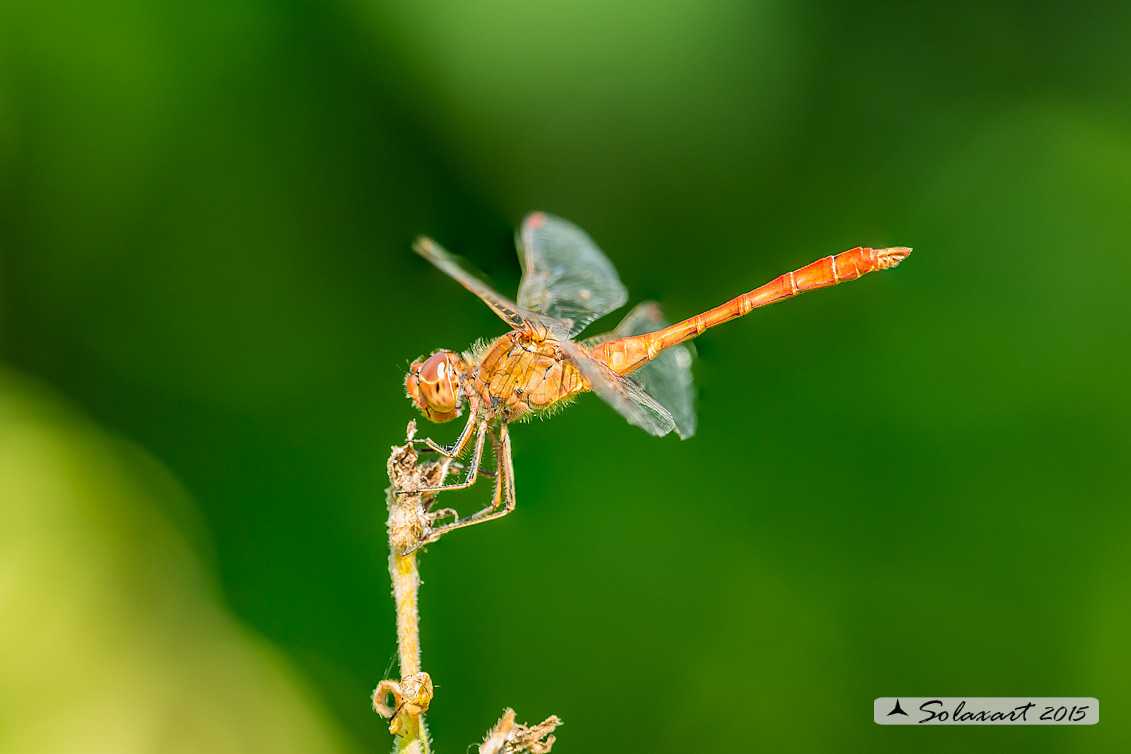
[565, 275]
[625, 396]
[667, 378]
[471, 279]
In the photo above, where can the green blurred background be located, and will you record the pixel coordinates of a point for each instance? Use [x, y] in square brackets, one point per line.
[913, 484]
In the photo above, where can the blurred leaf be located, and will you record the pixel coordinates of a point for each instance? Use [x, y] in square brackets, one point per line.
[112, 638]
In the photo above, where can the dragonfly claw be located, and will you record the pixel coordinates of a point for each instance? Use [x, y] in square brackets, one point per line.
[411, 550]
[427, 539]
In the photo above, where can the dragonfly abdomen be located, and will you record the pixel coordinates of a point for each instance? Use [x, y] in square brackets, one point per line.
[624, 355]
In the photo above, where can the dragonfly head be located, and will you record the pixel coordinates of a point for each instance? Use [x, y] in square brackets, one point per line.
[433, 385]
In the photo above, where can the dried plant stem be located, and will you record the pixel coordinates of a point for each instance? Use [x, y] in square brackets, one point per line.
[409, 521]
[406, 585]
[410, 524]
[413, 733]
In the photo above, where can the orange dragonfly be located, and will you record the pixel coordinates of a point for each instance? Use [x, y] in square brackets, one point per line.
[640, 368]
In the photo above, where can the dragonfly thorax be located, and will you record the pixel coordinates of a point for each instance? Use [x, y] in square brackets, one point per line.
[433, 385]
[519, 374]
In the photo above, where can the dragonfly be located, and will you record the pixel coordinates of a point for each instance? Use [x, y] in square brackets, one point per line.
[642, 368]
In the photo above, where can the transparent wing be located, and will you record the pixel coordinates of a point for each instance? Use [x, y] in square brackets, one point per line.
[472, 280]
[667, 378]
[565, 275]
[625, 396]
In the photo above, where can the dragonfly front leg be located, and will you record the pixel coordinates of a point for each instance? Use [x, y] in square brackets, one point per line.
[464, 467]
[472, 466]
[458, 446]
[504, 489]
[452, 452]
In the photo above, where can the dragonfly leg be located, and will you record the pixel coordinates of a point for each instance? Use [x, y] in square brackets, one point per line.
[497, 447]
[504, 489]
[464, 467]
[453, 452]
[457, 447]
[472, 467]
[457, 465]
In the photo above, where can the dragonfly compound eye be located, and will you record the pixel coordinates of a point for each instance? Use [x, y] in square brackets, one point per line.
[433, 386]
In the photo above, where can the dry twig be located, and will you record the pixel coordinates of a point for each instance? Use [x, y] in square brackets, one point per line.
[410, 523]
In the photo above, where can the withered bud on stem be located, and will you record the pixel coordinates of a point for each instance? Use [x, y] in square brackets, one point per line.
[410, 697]
[410, 517]
[508, 738]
